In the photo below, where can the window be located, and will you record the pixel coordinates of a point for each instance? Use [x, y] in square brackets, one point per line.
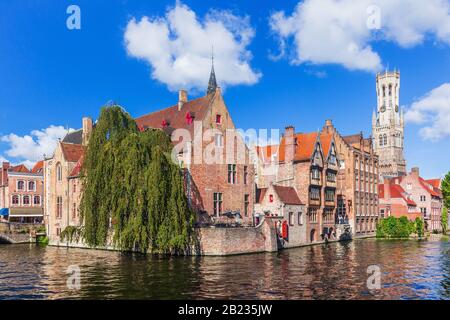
[300, 218]
[246, 203]
[217, 204]
[329, 195]
[291, 218]
[59, 207]
[384, 91]
[74, 211]
[423, 198]
[218, 119]
[384, 139]
[331, 176]
[315, 174]
[15, 199]
[20, 185]
[37, 200]
[328, 215]
[58, 172]
[26, 200]
[232, 173]
[314, 194]
[245, 174]
[218, 139]
[31, 186]
[74, 189]
[312, 214]
[380, 142]
[58, 232]
[271, 198]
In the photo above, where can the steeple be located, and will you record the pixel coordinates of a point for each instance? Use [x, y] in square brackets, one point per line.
[212, 84]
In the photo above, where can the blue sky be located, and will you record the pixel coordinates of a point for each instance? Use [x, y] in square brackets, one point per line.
[52, 76]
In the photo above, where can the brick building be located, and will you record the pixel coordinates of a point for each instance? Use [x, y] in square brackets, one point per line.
[395, 201]
[219, 174]
[283, 206]
[357, 181]
[426, 195]
[62, 186]
[21, 193]
[307, 163]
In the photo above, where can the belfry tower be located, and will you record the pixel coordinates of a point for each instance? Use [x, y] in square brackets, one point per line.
[388, 126]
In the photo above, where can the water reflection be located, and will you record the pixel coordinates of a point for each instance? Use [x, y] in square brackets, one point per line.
[410, 270]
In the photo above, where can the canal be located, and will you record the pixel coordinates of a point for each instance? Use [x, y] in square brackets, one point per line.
[409, 270]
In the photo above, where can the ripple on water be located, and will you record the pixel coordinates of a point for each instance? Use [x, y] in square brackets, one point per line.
[409, 270]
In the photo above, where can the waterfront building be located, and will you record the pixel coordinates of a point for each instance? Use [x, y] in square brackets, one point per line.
[220, 189]
[285, 208]
[426, 195]
[388, 126]
[395, 201]
[357, 181]
[307, 162]
[61, 180]
[21, 193]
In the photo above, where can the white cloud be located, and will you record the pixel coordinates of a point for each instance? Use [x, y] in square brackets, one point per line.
[31, 148]
[433, 111]
[337, 32]
[178, 47]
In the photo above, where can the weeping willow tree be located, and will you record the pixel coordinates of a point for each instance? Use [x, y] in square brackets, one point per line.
[132, 190]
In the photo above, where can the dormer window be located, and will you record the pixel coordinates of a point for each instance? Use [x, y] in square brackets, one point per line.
[164, 123]
[218, 119]
[189, 118]
[271, 198]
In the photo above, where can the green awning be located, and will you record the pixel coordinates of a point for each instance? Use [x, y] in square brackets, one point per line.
[26, 212]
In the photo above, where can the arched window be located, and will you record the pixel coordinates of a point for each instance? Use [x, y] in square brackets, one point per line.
[31, 186]
[384, 91]
[58, 172]
[385, 139]
[37, 200]
[390, 90]
[26, 200]
[15, 199]
[20, 185]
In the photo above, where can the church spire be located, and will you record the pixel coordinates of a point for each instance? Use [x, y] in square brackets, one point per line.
[212, 84]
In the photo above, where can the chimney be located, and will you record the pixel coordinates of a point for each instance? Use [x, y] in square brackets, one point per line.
[289, 144]
[4, 173]
[182, 98]
[415, 171]
[328, 126]
[87, 130]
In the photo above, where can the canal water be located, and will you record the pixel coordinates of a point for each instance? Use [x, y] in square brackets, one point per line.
[409, 270]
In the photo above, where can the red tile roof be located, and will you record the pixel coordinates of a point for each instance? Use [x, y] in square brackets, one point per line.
[396, 191]
[325, 140]
[171, 118]
[38, 167]
[304, 148]
[430, 188]
[72, 152]
[287, 195]
[434, 182]
[20, 169]
[77, 169]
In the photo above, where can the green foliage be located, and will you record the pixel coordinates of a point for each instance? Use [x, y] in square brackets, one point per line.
[444, 220]
[42, 240]
[445, 187]
[71, 233]
[419, 227]
[132, 192]
[392, 227]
